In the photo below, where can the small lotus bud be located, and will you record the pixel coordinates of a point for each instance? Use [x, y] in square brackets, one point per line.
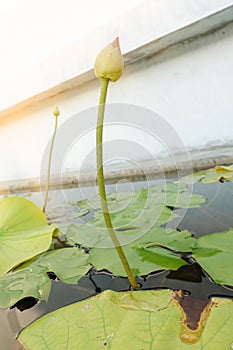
[56, 112]
[109, 62]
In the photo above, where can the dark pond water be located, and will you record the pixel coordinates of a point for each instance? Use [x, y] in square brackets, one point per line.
[213, 216]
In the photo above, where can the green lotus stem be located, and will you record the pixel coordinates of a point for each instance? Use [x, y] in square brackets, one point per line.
[101, 184]
[56, 114]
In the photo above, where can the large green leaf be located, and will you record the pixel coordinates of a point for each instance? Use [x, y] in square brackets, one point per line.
[130, 320]
[214, 252]
[24, 232]
[141, 263]
[31, 279]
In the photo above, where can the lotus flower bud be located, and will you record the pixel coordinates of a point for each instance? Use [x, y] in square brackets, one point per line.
[56, 112]
[109, 63]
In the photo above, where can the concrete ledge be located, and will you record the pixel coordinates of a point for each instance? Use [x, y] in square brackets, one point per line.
[200, 159]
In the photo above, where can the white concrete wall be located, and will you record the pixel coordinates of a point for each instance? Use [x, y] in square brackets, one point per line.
[190, 85]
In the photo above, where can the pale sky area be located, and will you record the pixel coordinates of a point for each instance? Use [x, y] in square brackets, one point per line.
[31, 30]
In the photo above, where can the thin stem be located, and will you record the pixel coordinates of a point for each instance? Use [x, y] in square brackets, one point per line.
[49, 166]
[101, 184]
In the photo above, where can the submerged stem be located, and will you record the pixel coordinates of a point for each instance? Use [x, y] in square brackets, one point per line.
[49, 165]
[101, 184]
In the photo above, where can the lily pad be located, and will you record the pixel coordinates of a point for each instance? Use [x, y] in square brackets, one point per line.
[176, 195]
[31, 279]
[132, 213]
[24, 232]
[140, 263]
[168, 194]
[218, 173]
[214, 252]
[68, 264]
[160, 257]
[133, 209]
[133, 320]
[28, 282]
[128, 229]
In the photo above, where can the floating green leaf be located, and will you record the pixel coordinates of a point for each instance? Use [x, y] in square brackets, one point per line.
[218, 173]
[169, 194]
[28, 282]
[31, 279]
[135, 209]
[132, 213]
[86, 235]
[160, 257]
[94, 233]
[113, 199]
[24, 232]
[69, 264]
[133, 320]
[214, 252]
[152, 215]
[181, 241]
[175, 195]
